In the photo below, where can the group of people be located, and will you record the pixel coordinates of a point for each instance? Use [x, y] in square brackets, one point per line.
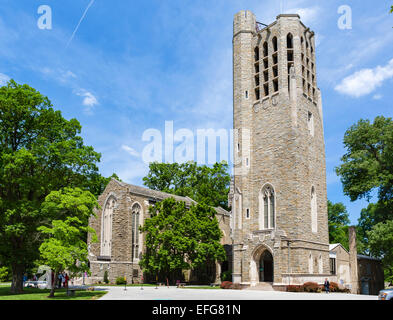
[62, 280]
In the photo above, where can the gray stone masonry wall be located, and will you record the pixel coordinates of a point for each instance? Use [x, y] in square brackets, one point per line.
[281, 153]
[120, 264]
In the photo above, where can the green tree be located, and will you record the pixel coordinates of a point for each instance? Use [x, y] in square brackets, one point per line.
[338, 220]
[368, 162]
[367, 169]
[40, 152]
[381, 245]
[180, 238]
[98, 183]
[65, 246]
[205, 184]
[374, 213]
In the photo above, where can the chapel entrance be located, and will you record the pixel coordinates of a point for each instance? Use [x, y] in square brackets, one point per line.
[266, 267]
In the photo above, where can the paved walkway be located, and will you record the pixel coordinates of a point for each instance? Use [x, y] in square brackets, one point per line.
[173, 293]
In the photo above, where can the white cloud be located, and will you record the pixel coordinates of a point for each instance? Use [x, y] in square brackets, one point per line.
[377, 97]
[365, 81]
[130, 150]
[4, 79]
[89, 99]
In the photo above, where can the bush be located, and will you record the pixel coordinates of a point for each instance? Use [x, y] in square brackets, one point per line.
[311, 287]
[334, 287]
[106, 280]
[226, 276]
[121, 280]
[295, 288]
[4, 274]
[226, 285]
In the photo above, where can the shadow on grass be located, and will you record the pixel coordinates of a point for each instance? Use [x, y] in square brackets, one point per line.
[38, 294]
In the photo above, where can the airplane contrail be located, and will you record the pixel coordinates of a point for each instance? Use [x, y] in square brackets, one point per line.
[80, 21]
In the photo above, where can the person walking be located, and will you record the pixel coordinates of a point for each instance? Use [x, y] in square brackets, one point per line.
[327, 285]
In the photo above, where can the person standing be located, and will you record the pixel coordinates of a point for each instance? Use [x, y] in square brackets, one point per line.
[59, 280]
[327, 285]
[66, 280]
[63, 280]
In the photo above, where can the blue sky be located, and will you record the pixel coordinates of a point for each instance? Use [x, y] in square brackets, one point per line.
[131, 65]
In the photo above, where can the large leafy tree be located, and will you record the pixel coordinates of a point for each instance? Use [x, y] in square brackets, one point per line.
[205, 184]
[338, 223]
[381, 244]
[64, 247]
[180, 238]
[40, 152]
[374, 213]
[367, 169]
[367, 166]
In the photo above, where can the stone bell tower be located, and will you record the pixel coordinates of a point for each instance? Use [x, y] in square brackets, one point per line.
[278, 193]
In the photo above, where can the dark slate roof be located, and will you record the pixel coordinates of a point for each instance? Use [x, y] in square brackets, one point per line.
[159, 195]
[362, 256]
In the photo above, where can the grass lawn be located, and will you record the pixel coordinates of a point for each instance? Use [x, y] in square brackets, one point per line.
[38, 294]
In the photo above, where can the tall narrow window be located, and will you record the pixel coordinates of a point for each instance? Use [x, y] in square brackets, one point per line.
[267, 208]
[266, 211]
[106, 226]
[257, 94]
[289, 41]
[135, 213]
[310, 123]
[333, 266]
[275, 85]
[314, 214]
[256, 53]
[271, 200]
[275, 46]
[265, 49]
[247, 213]
[310, 264]
[320, 264]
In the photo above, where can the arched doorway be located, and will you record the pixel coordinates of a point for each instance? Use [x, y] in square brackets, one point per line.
[266, 267]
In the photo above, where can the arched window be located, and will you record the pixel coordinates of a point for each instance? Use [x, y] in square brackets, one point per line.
[320, 264]
[135, 214]
[289, 41]
[256, 53]
[106, 227]
[267, 208]
[310, 264]
[265, 49]
[275, 46]
[314, 214]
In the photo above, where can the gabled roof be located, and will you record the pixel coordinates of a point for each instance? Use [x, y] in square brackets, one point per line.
[159, 195]
[335, 245]
[359, 256]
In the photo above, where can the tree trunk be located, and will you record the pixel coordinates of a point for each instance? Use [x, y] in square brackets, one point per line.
[17, 279]
[52, 290]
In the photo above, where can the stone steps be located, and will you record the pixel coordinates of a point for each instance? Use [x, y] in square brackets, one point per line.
[262, 286]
